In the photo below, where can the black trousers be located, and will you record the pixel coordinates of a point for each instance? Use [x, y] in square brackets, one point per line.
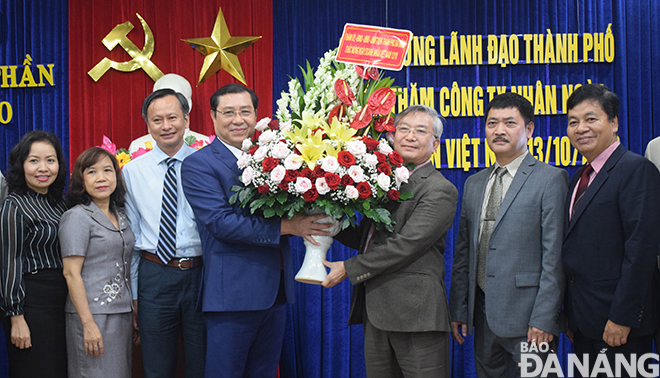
[45, 295]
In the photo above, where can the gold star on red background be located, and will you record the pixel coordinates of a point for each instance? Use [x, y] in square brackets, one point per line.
[221, 50]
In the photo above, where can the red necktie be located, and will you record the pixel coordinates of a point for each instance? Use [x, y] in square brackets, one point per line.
[583, 185]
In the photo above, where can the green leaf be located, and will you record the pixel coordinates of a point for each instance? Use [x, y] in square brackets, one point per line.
[233, 198]
[281, 197]
[405, 195]
[244, 193]
[269, 212]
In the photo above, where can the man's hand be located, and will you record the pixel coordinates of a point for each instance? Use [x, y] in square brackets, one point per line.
[336, 275]
[538, 337]
[303, 225]
[457, 334]
[615, 335]
[20, 332]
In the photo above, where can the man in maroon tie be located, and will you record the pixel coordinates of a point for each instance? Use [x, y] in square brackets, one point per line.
[611, 239]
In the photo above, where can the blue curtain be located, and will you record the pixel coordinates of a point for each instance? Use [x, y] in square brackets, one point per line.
[319, 343]
[38, 28]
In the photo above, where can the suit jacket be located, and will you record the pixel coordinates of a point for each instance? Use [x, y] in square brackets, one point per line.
[524, 277]
[610, 248]
[399, 279]
[241, 251]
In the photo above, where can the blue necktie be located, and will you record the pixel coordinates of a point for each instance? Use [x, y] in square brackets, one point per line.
[167, 234]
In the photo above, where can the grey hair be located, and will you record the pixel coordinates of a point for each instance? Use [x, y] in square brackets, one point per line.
[438, 120]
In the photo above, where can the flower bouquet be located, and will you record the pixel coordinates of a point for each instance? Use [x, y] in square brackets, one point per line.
[325, 154]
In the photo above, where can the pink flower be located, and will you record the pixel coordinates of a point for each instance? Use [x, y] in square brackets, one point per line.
[198, 144]
[277, 174]
[303, 184]
[322, 186]
[140, 151]
[108, 145]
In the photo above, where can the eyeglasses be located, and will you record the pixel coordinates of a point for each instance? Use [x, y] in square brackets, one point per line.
[418, 131]
[231, 114]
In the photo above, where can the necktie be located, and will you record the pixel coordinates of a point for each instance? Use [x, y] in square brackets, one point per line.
[167, 233]
[582, 186]
[492, 208]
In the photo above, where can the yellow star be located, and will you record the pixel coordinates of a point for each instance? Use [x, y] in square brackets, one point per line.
[221, 50]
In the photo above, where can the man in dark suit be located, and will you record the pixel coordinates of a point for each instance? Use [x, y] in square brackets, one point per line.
[611, 236]
[507, 278]
[398, 288]
[247, 275]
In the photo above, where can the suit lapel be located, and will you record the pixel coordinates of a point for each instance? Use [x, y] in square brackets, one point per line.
[523, 172]
[595, 185]
[225, 156]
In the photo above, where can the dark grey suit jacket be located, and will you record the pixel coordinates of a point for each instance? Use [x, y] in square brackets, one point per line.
[399, 278]
[524, 277]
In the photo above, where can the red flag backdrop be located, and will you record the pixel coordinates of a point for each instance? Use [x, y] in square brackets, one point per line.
[112, 105]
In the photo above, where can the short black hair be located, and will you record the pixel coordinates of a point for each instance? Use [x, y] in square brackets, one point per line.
[601, 94]
[233, 88]
[77, 194]
[183, 102]
[20, 152]
[512, 100]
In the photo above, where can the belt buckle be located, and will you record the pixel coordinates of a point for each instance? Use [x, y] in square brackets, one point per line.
[185, 259]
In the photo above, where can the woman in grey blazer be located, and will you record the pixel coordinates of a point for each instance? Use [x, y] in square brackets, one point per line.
[96, 245]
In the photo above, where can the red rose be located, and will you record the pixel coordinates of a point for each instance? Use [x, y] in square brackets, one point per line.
[381, 157]
[263, 189]
[395, 158]
[290, 175]
[333, 180]
[364, 189]
[371, 143]
[306, 172]
[283, 185]
[269, 164]
[393, 195]
[318, 171]
[274, 124]
[384, 168]
[346, 158]
[253, 149]
[311, 195]
[346, 180]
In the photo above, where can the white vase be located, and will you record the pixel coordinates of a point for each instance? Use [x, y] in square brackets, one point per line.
[313, 271]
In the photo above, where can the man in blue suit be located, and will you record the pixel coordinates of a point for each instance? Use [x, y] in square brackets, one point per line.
[611, 235]
[247, 275]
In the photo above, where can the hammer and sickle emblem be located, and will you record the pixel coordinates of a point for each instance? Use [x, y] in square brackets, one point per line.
[141, 58]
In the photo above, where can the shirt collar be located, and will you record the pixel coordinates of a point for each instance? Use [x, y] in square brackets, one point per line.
[237, 152]
[513, 166]
[161, 156]
[600, 160]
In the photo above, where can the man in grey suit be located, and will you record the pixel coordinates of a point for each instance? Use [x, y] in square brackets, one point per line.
[398, 288]
[507, 279]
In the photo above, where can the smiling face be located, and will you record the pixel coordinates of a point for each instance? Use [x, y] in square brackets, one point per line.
[507, 134]
[100, 180]
[41, 167]
[414, 139]
[589, 129]
[234, 119]
[167, 124]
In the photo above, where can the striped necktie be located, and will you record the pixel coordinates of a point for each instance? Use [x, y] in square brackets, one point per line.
[167, 234]
[492, 208]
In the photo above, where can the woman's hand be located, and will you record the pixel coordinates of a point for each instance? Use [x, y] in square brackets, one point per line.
[93, 340]
[20, 332]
